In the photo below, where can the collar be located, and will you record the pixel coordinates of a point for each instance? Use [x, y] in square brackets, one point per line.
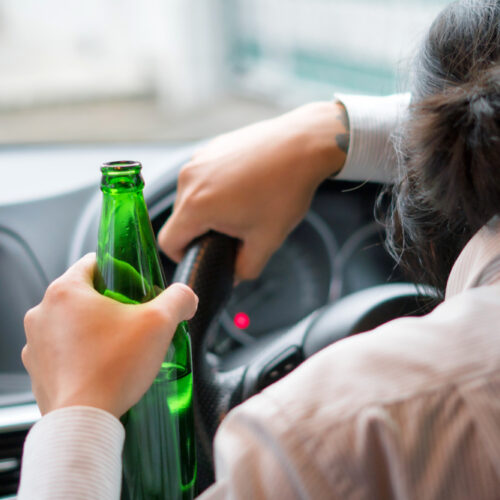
[479, 262]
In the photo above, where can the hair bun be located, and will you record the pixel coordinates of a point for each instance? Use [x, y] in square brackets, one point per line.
[449, 150]
[453, 143]
[483, 98]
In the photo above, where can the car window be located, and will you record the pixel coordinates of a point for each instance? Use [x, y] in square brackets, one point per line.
[104, 70]
[309, 47]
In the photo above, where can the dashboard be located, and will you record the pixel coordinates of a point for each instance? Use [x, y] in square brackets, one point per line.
[336, 250]
[49, 217]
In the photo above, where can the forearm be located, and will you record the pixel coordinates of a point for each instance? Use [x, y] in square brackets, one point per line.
[321, 136]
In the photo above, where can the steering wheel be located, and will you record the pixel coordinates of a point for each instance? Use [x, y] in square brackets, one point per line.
[208, 268]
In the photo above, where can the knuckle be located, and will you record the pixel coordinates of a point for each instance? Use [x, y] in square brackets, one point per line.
[194, 191]
[186, 173]
[57, 291]
[156, 316]
[25, 356]
[191, 206]
[29, 318]
[197, 200]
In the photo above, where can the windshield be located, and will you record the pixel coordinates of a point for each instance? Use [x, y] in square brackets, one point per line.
[129, 70]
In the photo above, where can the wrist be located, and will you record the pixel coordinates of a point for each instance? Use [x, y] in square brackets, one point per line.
[87, 397]
[324, 136]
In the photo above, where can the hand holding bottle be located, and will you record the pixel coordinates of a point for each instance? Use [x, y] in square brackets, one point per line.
[256, 183]
[86, 349]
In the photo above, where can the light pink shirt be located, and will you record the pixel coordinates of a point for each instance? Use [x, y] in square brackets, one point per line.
[410, 410]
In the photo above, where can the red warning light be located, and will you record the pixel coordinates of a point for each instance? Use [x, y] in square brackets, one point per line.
[241, 320]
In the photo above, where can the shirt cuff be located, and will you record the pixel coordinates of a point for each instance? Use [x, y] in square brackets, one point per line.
[372, 122]
[73, 452]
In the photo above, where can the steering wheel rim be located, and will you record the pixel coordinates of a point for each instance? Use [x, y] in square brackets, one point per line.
[208, 268]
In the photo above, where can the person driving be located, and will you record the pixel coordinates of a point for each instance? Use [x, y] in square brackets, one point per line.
[408, 410]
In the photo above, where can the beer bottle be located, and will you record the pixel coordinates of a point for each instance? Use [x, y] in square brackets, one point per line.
[159, 454]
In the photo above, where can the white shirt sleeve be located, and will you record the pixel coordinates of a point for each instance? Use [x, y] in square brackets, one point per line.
[73, 453]
[372, 123]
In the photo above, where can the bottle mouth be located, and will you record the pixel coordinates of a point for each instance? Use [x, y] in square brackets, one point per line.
[121, 177]
[121, 167]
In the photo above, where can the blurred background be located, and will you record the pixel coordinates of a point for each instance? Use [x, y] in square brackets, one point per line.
[175, 70]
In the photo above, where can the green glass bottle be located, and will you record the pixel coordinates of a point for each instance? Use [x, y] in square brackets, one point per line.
[159, 460]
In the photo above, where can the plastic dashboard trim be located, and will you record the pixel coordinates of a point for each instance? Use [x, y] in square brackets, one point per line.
[18, 417]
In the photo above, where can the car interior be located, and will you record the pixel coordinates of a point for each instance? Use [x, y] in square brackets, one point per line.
[77, 93]
[332, 278]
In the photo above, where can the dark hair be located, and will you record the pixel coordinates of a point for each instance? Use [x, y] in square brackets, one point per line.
[449, 176]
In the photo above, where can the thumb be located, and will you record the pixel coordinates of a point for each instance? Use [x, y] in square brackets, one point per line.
[178, 302]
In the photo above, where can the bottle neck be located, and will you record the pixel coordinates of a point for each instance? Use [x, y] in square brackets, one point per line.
[123, 177]
[128, 265]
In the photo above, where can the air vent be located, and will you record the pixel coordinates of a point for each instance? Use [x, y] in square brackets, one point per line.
[11, 449]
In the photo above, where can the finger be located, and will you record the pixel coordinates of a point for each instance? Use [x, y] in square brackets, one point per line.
[82, 270]
[177, 233]
[177, 303]
[251, 259]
